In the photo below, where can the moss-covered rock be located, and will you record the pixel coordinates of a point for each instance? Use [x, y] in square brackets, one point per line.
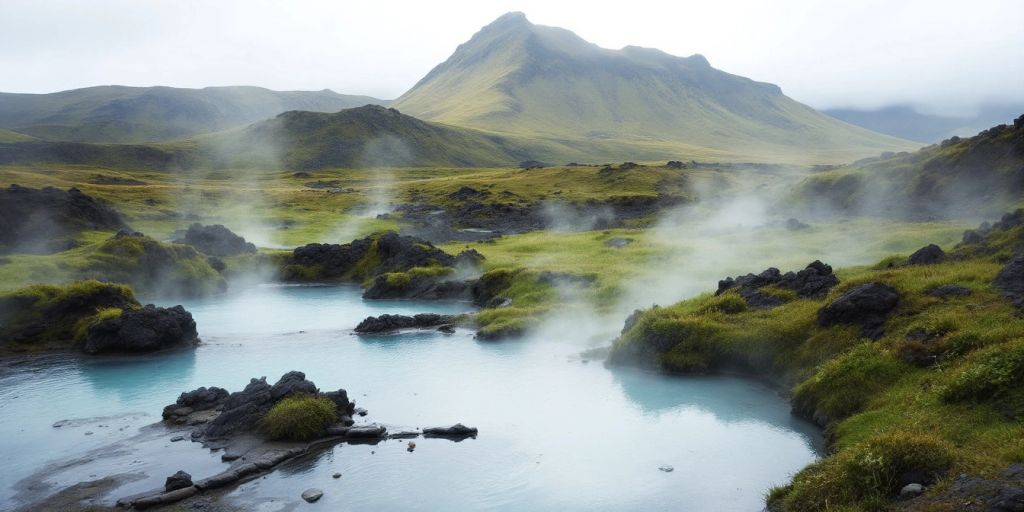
[362, 259]
[43, 317]
[152, 267]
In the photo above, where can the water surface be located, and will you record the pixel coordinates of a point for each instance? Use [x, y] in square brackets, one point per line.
[556, 433]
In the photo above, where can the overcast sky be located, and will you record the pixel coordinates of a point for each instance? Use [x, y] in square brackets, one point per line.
[940, 54]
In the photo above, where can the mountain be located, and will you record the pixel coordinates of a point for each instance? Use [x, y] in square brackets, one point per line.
[958, 178]
[117, 114]
[515, 77]
[367, 136]
[906, 122]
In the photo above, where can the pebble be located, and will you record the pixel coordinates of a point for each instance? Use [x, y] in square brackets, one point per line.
[336, 475]
[175, 439]
[311, 495]
[412, 446]
[666, 468]
[911, 491]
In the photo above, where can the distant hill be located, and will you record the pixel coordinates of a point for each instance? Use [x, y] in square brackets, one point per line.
[906, 122]
[367, 136]
[959, 178]
[515, 77]
[117, 114]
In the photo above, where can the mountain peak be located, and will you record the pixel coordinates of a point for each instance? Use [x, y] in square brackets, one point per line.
[514, 18]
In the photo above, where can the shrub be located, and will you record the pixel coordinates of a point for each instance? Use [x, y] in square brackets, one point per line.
[299, 418]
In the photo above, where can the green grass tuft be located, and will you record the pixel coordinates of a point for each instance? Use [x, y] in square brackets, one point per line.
[299, 418]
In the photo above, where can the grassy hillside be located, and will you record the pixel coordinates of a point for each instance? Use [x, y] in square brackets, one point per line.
[936, 395]
[370, 136]
[959, 177]
[145, 114]
[544, 82]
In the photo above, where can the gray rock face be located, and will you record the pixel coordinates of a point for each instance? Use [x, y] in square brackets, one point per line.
[868, 305]
[927, 255]
[143, 330]
[312, 495]
[179, 480]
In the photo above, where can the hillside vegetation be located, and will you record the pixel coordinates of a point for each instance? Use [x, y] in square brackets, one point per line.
[117, 114]
[514, 77]
[960, 177]
[913, 365]
[364, 137]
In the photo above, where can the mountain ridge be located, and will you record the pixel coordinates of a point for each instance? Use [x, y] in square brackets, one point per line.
[516, 77]
[124, 114]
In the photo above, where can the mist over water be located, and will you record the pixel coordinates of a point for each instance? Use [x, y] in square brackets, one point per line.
[556, 432]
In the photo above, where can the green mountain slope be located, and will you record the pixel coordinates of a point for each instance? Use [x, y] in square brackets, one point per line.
[516, 77]
[368, 136]
[960, 177]
[119, 114]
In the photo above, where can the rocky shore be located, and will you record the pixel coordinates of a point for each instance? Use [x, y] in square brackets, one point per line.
[237, 424]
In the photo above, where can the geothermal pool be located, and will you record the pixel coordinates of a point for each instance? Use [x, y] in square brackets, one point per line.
[556, 432]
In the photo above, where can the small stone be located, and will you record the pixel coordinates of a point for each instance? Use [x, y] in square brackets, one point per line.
[336, 475]
[666, 468]
[412, 446]
[175, 439]
[910, 491]
[179, 480]
[228, 457]
[312, 495]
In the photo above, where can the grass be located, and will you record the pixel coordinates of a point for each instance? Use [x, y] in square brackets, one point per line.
[41, 316]
[888, 411]
[299, 418]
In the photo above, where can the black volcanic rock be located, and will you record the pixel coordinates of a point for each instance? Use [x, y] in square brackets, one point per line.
[868, 305]
[388, 323]
[32, 220]
[927, 255]
[815, 280]
[142, 330]
[389, 252]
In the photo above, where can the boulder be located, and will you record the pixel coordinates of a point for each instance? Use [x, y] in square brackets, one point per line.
[455, 431]
[179, 480]
[196, 400]
[244, 409]
[422, 287]
[216, 240]
[389, 323]
[391, 252]
[142, 330]
[366, 432]
[927, 255]
[868, 305]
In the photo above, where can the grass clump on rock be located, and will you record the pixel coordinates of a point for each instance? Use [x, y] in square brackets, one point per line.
[299, 417]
